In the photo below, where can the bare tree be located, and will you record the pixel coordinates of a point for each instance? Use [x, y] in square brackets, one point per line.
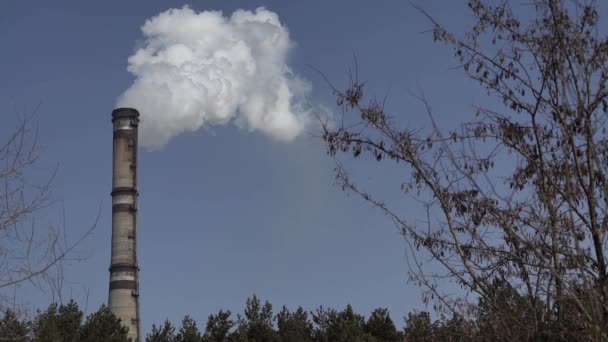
[29, 252]
[517, 198]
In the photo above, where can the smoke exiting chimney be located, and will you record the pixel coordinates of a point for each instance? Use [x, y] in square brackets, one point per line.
[123, 299]
[201, 69]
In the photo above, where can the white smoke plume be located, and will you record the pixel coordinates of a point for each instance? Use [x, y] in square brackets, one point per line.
[198, 69]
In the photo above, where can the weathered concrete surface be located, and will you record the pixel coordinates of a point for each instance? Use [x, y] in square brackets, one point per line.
[123, 299]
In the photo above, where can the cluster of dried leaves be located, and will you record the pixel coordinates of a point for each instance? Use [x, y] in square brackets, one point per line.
[542, 230]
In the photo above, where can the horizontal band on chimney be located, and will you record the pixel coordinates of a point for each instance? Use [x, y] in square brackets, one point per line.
[124, 191]
[124, 208]
[123, 285]
[125, 134]
[123, 267]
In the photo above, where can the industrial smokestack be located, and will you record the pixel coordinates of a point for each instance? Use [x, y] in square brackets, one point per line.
[123, 299]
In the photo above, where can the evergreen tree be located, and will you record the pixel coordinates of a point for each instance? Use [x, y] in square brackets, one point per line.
[504, 315]
[188, 332]
[344, 326]
[256, 325]
[12, 328]
[418, 327]
[218, 327]
[166, 333]
[294, 327]
[103, 326]
[58, 323]
[381, 326]
[456, 329]
[321, 320]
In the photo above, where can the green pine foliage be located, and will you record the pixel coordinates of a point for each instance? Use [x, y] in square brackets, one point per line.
[189, 331]
[258, 323]
[63, 323]
[218, 327]
[103, 326]
[381, 326]
[12, 328]
[164, 333]
[294, 326]
[58, 323]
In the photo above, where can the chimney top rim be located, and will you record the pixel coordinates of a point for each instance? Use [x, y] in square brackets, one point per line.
[124, 113]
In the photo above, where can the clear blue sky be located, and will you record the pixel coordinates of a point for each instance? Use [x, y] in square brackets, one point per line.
[225, 213]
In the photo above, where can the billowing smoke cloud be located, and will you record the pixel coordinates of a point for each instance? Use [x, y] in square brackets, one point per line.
[197, 69]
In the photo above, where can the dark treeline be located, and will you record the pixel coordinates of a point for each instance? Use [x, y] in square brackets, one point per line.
[65, 322]
[260, 323]
[507, 317]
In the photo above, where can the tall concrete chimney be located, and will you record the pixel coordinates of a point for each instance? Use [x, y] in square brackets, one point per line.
[124, 271]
